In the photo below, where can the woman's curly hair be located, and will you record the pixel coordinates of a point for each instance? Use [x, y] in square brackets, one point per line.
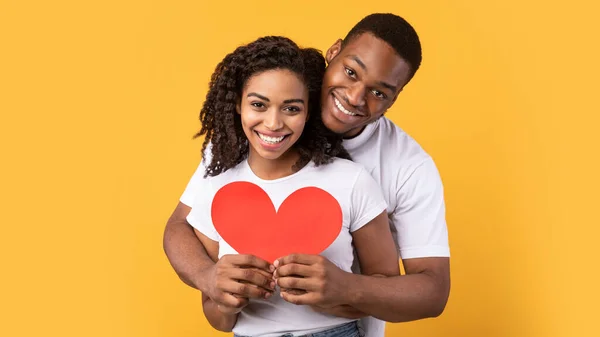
[222, 124]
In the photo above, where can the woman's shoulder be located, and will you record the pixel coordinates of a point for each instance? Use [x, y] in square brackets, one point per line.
[235, 173]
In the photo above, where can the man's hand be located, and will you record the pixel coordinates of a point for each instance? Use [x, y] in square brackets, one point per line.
[234, 279]
[310, 279]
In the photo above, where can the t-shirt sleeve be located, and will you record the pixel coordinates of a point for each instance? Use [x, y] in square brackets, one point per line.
[366, 200]
[193, 186]
[419, 219]
[200, 215]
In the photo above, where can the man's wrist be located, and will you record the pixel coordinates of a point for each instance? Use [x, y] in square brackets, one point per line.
[360, 286]
[227, 312]
[200, 279]
[354, 289]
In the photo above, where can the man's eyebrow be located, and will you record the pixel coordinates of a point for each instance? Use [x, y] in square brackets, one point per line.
[393, 88]
[259, 96]
[356, 59]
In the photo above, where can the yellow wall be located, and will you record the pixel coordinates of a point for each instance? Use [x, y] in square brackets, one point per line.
[99, 101]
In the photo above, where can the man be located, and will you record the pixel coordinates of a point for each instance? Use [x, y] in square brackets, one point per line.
[366, 72]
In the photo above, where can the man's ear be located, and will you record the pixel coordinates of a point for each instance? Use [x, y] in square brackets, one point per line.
[333, 50]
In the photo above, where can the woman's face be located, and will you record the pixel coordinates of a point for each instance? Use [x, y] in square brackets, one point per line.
[274, 110]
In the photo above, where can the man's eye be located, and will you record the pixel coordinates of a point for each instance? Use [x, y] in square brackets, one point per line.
[379, 94]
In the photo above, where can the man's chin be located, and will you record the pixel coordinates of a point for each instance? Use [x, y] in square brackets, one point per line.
[344, 130]
[335, 126]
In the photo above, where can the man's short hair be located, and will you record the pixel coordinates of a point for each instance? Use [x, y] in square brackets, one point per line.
[396, 32]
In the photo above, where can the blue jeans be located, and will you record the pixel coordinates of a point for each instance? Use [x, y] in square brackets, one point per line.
[349, 329]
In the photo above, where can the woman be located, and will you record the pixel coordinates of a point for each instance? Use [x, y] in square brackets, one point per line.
[262, 121]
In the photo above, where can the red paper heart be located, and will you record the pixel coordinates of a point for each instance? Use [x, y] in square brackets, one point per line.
[307, 221]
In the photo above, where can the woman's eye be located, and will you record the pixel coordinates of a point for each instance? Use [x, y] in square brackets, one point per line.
[292, 109]
[257, 104]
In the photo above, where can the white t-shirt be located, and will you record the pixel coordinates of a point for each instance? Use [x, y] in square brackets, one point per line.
[360, 200]
[411, 186]
[413, 189]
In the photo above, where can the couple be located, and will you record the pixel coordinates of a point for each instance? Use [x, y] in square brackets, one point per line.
[277, 121]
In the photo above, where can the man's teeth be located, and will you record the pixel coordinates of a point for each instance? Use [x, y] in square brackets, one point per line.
[271, 140]
[342, 109]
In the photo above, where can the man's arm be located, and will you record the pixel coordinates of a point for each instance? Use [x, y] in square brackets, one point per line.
[222, 318]
[184, 250]
[222, 321]
[194, 266]
[419, 220]
[377, 256]
[421, 293]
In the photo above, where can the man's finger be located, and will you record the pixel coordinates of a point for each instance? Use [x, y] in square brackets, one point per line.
[297, 258]
[252, 276]
[243, 290]
[268, 275]
[294, 269]
[231, 302]
[306, 284]
[293, 291]
[245, 260]
[309, 298]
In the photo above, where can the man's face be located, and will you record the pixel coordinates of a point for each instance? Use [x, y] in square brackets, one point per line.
[361, 82]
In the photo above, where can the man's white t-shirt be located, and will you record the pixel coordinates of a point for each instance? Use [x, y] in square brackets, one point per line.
[411, 186]
[360, 200]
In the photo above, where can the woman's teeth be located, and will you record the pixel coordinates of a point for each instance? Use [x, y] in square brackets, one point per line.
[270, 140]
[342, 109]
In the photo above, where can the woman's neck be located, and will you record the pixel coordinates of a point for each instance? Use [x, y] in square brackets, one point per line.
[270, 169]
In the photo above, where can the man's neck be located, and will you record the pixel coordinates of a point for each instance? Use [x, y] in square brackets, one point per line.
[354, 133]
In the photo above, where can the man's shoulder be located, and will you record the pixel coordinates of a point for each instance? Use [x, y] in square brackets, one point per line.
[396, 146]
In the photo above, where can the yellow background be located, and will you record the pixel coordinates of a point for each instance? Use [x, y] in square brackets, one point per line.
[99, 101]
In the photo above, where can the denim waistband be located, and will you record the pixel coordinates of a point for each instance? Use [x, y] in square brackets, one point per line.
[349, 329]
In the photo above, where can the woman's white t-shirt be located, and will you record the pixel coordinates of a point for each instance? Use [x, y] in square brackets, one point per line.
[360, 200]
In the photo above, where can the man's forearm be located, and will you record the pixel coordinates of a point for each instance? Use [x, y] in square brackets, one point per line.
[186, 253]
[398, 298]
[344, 311]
